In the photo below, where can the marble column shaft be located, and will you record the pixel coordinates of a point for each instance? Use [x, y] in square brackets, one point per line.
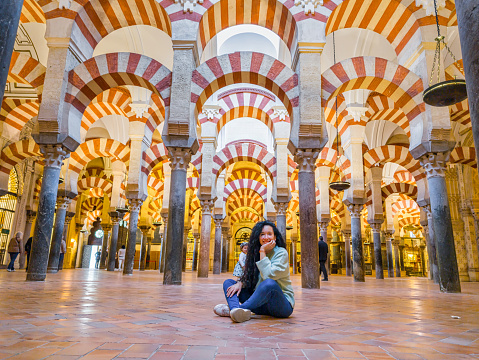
[104, 246]
[397, 258]
[389, 252]
[135, 206]
[217, 250]
[376, 230]
[28, 229]
[161, 268]
[55, 247]
[431, 242]
[204, 256]
[10, 11]
[467, 13]
[357, 241]
[144, 241]
[185, 248]
[115, 221]
[294, 246]
[180, 158]
[148, 254]
[53, 157]
[224, 255]
[308, 219]
[281, 208]
[194, 266]
[435, 166]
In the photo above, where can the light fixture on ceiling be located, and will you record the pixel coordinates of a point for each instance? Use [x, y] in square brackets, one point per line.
[443, 93]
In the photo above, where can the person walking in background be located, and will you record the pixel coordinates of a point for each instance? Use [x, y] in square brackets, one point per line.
[14, 247]
[323, 257]
[121, 257]
[28, 248]
[97, 258]
[63, 250]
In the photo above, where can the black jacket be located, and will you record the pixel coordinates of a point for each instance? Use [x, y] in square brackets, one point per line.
[323, 250]
[28, 245]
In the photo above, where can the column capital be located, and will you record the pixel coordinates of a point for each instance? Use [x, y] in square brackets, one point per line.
[376, 227]
[114, 217]
[355, 210]
[179, 158]
[53, 155]
[69, 216]
[427, 209]
[346, 233]
[281, 207]
[323, 225]
[31, 215]
[63, 202]
[306, 159]
[218, 221]
[144, 228]
[106, 227]
[389, 234]
[135, 205]
[164, 216]
[435, 164]
[207, 206]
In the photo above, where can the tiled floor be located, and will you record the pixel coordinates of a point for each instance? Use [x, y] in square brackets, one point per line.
[101, 315]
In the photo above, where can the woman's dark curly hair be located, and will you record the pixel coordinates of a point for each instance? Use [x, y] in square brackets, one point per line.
[251, 272]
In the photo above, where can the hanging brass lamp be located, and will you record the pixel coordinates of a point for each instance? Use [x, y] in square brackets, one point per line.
[337, 185]
[443, 93]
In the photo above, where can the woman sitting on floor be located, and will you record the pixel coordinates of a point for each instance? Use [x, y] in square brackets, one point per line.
[265, 287]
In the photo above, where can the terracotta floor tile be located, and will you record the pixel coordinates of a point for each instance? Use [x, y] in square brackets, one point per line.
[200, 353]
[163, 355]
[319, 355]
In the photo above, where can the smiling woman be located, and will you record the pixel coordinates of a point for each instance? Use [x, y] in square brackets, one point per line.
[265, 287]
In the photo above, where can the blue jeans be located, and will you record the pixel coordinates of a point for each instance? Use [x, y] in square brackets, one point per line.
[267, 299]
[13, 256]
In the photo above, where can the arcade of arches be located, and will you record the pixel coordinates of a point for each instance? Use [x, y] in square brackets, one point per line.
[180, 124]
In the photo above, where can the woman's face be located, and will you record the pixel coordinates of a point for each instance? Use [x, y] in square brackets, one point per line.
[267, 235]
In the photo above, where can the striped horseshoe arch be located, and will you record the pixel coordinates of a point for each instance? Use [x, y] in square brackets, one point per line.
[245, 215]
[409, 220]
[404, 176]
[380, 75]
[15, 113]
[94, 182]
[156, 185]
[32, 13]
[388, 18]
[405, 206]
[244, 198]
[153, 156]
[16, 153]
[381, 107]
[247, 174]
[253, 185]
[270, 14]
[245, 151]
[26, 70]
[91, 204]
[460, 113]
[399, 188]
[103, 72]
[244, 67]
[396, 154]
[327, 157]
[464, 155]
[96, 148]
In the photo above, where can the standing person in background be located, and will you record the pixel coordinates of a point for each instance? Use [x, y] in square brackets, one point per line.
[121, 257]
[14, 247]
[323, 257]
[28, 248]
[63, 250]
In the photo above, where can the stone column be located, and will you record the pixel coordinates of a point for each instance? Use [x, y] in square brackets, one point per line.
[323, 229]
[163, 243]
[27, 231]
[228, 252]
[401, 257]
[357, 241]
[144, 239]
[431, 242]
[204, 256]
[115, 222]
[281, 208]
[53, 158]
[148, 253]
[347, 251]
[389, 252]
[225, 247]
[423, 260]
[435, 166]
[77, 256]
[294, 250]
[397, 258]
[9, 19]
[180, 158]
[376, 230]
[62, 206]
[467, 13]
[185, 248]
[134, 206]
[217, 250]
[194, 266]
[307, 213]
[104, 247]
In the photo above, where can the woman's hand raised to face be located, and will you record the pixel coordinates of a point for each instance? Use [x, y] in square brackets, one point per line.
[234, 289]
[266, 248]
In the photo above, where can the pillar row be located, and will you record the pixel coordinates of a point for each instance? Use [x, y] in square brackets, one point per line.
[376, 230]
[134, 206]
[217, 249]
[115, 222]
[204, 256]
[357, 241]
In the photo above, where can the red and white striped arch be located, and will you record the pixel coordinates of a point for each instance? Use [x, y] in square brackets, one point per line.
[103, 72]
[16, 153]
[244, 67]
[91, 204]
[460, 113]
[95, 19]
[272, 15]
[464, 155]
[195, 205]
[92, 216]
[381, 107]
[156, 185]
[389, 18]
[96, 192]
[244, 215]
[253, 185]
[247, 174]
[244, 198]
[153, 156]
[380, 75]
[96, 148]
[396, 154]
[32, 13]
[338, 207]
[409, 220]
[193, 183]
[405, 206]
[328, 156]
[399, 188]
[26, 70]
[15, 113]
[245, 152]
[404, 176]
[94, 182]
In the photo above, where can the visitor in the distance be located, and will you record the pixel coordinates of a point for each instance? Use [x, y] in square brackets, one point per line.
[265, 287]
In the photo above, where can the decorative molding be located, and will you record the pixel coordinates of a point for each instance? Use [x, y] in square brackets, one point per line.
[179, 158]
[139, 108]
[280, 112]
[281, 208]
[63, 203]
[309, 6]
[135, 205]
[323, 225]
[207, 206]
[435, 164]
[210, 111]
[376, 227]
[355, 210]
[188, 5]
[64, 4]
[247, 90]
[306, 160]
[53, 155]
[428, 5]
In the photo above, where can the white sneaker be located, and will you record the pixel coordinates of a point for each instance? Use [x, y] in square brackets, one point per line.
[240, 315]
[222, 310]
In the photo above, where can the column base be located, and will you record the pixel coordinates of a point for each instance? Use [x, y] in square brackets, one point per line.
[36, 277]
[52, 271]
